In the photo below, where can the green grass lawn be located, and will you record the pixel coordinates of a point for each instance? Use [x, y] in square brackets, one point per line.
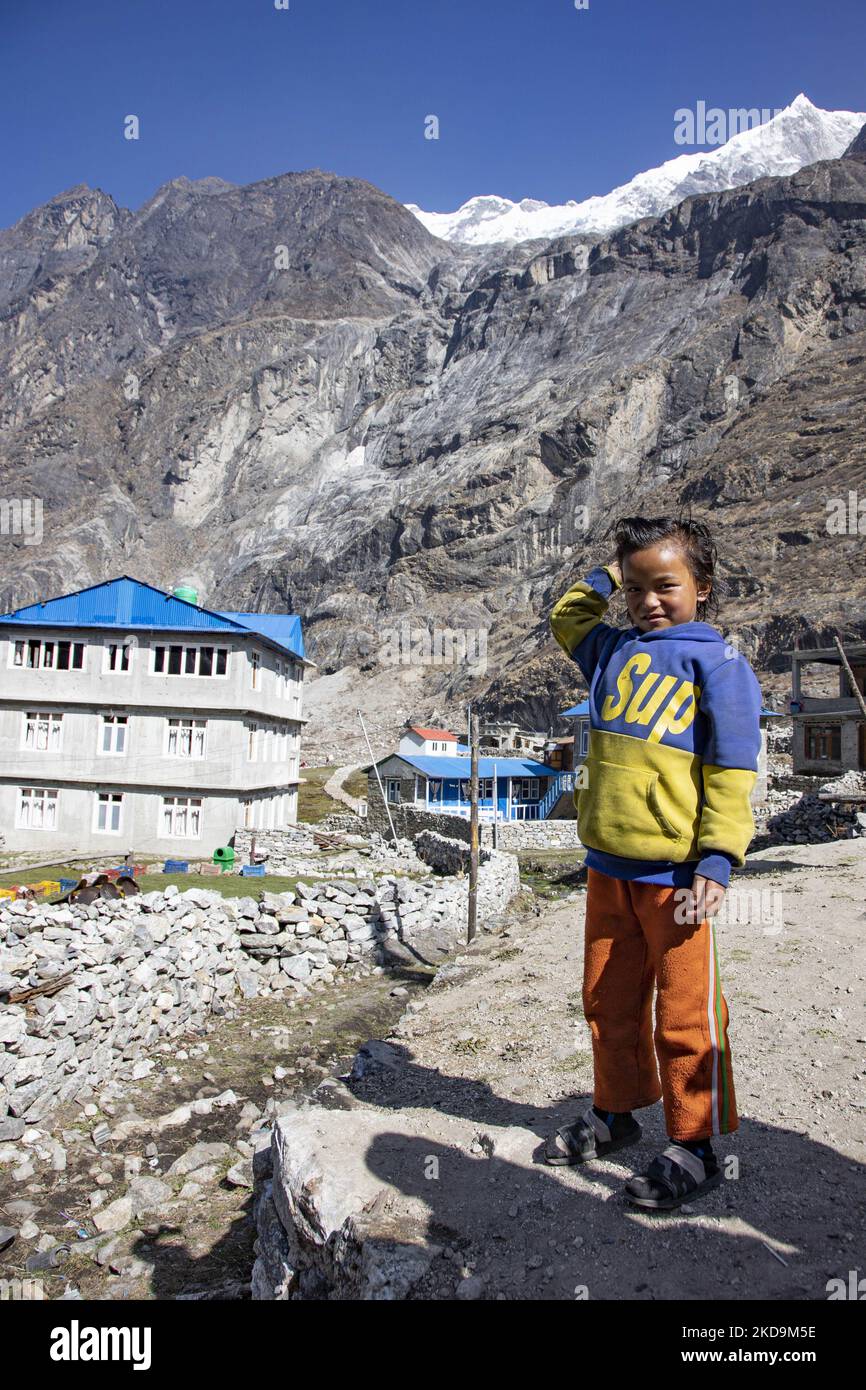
[313, 804]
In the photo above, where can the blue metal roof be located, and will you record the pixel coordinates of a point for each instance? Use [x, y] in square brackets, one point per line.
[441, 765]
[129, 603]
[282, 628]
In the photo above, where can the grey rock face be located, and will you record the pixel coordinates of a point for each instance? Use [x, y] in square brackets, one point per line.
[185, 386]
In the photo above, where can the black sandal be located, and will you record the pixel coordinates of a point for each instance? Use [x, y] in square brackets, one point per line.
[589, 1137]
[675, 1176]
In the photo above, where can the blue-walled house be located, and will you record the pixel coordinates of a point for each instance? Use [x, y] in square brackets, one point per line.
[525, 789]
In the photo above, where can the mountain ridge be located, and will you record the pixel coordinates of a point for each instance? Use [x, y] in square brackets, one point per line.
[409, 430]
[800, 135]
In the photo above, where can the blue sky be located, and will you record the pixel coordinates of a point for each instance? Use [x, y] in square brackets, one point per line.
[534, 97]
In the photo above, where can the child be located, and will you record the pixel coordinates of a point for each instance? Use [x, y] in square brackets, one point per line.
[664, 814]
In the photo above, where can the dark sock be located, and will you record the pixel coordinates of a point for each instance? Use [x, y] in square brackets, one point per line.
[701, 1147]
[614, 1119]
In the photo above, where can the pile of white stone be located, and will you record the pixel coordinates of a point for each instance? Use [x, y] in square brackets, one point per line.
[850, 783]
[290, 854]
[160, 964]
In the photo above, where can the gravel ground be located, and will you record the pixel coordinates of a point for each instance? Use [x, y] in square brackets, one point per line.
[499, 1040]
[505, 1043]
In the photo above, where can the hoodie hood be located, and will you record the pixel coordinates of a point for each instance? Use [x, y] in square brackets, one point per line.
[680, 632]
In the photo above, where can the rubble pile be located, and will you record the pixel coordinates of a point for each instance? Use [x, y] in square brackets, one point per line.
[86, 990]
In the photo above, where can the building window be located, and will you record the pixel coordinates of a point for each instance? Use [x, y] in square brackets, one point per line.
[190, 661]
[392, 787]
[37, 808]
[824, 743]
[48, 656]
[108, 806]
[42, 731]
[255, 663]
[252, 742]
[181, 817]
[526, 789]
[248, 814]
[113, 739]
[118, 656]
[186, 738]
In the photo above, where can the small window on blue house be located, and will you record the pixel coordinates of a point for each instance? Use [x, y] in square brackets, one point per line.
[392, 786]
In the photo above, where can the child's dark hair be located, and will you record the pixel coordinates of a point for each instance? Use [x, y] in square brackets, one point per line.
[694, 539]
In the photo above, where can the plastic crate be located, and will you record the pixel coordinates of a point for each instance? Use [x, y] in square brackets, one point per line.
[176, 866]
[49, 885]
[67, 883]
[11, 893]
[253, 871]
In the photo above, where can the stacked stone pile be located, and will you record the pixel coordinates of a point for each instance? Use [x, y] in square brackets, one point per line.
[85, 991]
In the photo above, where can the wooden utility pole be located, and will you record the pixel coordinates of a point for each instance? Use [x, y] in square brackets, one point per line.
[855, 689]
[473, 830]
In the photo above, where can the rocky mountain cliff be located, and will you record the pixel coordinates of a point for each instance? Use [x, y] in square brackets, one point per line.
[295, 396]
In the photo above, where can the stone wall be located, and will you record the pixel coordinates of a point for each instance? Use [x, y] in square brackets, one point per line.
[410, 820]
[278, 844]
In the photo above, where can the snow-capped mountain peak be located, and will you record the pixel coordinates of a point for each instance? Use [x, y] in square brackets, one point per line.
[790, 139]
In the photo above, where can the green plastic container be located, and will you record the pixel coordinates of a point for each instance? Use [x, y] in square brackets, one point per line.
[225, 857]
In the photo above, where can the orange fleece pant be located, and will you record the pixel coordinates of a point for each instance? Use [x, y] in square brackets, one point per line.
[633, 943]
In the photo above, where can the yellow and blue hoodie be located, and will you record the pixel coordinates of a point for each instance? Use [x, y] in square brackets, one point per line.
[675, 734]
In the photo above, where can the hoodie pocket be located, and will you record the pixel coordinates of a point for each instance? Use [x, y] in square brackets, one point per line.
[619, 812]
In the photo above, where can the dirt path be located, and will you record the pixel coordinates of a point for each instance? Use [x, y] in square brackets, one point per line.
[507, 1045]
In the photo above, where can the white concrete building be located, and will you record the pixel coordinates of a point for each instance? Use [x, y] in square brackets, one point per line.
[134, 719]
[417, 739]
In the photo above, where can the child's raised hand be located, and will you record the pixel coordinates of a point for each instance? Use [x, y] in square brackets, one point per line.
[702, 900]
[616, 569]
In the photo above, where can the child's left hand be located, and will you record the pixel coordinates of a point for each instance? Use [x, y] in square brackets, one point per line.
[705, 898]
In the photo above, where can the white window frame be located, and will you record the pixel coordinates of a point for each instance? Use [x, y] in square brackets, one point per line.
[112, 722]
[176, 724]
[46, 646]
[54, 726]
[176, 803]
[255, 668]
[122, 648]
[109, 800]
[48, 797]
[196, 673]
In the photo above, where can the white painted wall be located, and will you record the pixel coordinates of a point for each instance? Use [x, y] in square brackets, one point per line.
[235, 789]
